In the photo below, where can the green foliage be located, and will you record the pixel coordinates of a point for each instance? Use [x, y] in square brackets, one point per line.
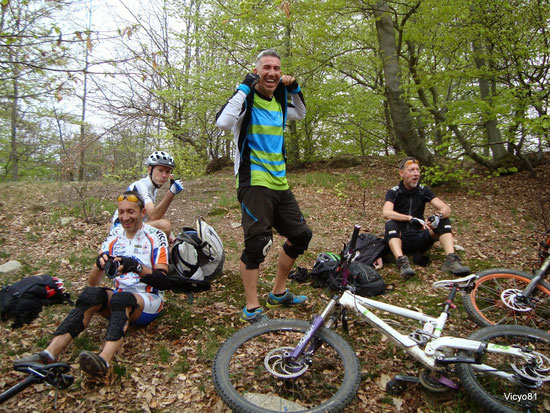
[447, 172]
[167, 94]
[84, 341]
[504, 171]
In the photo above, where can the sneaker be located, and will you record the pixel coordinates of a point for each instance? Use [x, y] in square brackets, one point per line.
[453, 265]
[405, 269]
[287, 299]
[255, 316]
[93, 364]
[41, 357]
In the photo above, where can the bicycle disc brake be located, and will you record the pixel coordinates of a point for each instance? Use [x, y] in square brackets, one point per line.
[537, 370]
[278, 363]
[515, 300]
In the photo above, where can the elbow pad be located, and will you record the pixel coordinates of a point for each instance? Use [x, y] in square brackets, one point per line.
[158, 279]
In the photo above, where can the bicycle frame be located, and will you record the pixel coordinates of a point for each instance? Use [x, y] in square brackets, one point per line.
[430, 335]
[540, 275]
[433, 328]
[428, 357]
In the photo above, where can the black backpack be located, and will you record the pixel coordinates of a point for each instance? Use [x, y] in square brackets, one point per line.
[23, 300]
[366, 280]
[324, 271]
[370, 248]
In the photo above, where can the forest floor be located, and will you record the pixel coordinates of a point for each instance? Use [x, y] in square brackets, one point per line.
[56, 228]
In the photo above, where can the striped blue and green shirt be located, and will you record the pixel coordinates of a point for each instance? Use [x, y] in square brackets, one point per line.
[264, 138]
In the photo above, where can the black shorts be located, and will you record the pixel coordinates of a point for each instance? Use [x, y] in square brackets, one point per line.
[417, 241]
[412, 240]
[263, 209]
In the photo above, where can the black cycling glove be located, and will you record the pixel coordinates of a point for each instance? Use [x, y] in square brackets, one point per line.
[417, 221]
[130, 264]
[250, 80]
[98, 263]
[248, 83]
[293, 86]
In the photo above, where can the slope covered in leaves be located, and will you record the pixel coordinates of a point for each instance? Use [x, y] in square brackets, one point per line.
[56, 228]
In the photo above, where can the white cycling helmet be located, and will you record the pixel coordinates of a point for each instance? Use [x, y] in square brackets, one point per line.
[161, 158]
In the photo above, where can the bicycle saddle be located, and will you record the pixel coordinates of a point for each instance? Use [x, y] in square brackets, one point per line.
[52, 374]
[459, 282]
[43, 369]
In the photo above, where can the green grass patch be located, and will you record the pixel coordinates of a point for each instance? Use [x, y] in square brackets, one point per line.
[320, 179]
[164, 353]
[181, 366]
[120, 370]
[387, 400]
[83, 259]
[215, 212]
[228, 201]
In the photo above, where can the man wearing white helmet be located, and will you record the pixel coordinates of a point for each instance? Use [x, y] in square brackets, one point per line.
[159, 171]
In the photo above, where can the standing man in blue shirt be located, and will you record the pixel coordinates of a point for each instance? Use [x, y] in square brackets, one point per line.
[257, 114]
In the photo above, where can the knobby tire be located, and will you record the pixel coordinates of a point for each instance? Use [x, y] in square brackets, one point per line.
[484, 303]
[499, 395]
[245, 385]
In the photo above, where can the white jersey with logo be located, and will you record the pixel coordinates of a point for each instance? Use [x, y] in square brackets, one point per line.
[146, 189]
[149, 246]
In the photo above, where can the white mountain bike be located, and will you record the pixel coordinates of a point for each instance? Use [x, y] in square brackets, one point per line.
[293, 365]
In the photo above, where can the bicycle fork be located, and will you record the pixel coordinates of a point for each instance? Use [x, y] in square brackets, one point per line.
[317, 323]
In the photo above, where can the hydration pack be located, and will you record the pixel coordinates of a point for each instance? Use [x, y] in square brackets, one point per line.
[370, 248]
[198, 253]
[23, 300]
[366, 280]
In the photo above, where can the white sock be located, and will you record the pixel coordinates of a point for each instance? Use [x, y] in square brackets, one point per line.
[50, 355]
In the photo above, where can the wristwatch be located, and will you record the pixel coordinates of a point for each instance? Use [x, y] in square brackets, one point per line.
[139, 267]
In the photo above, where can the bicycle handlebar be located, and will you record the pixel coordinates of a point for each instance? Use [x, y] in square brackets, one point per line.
[354, 236]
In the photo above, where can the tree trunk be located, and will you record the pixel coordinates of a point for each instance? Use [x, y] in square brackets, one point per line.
[494, 137]
[14, 156]
[402, 119]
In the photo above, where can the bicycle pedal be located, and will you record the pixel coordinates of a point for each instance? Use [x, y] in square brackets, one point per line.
[407, 379]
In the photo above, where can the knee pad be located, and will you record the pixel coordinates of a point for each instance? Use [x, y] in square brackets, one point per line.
[392, 230]
[255, 251]
[118, 323]
[444, 227]
[74, 322]
[299, 244]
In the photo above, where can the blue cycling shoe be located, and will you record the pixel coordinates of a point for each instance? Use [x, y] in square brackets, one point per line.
[285, 300]
[255, 316]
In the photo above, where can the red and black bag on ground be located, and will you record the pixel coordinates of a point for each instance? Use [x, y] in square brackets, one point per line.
[24, 299]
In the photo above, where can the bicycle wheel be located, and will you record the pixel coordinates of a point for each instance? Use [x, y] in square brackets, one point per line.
[495, 299]
[250, 374]
[526, 391]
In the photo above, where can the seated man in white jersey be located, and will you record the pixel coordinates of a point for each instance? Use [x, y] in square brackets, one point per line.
[159, 171]
[135, 256]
